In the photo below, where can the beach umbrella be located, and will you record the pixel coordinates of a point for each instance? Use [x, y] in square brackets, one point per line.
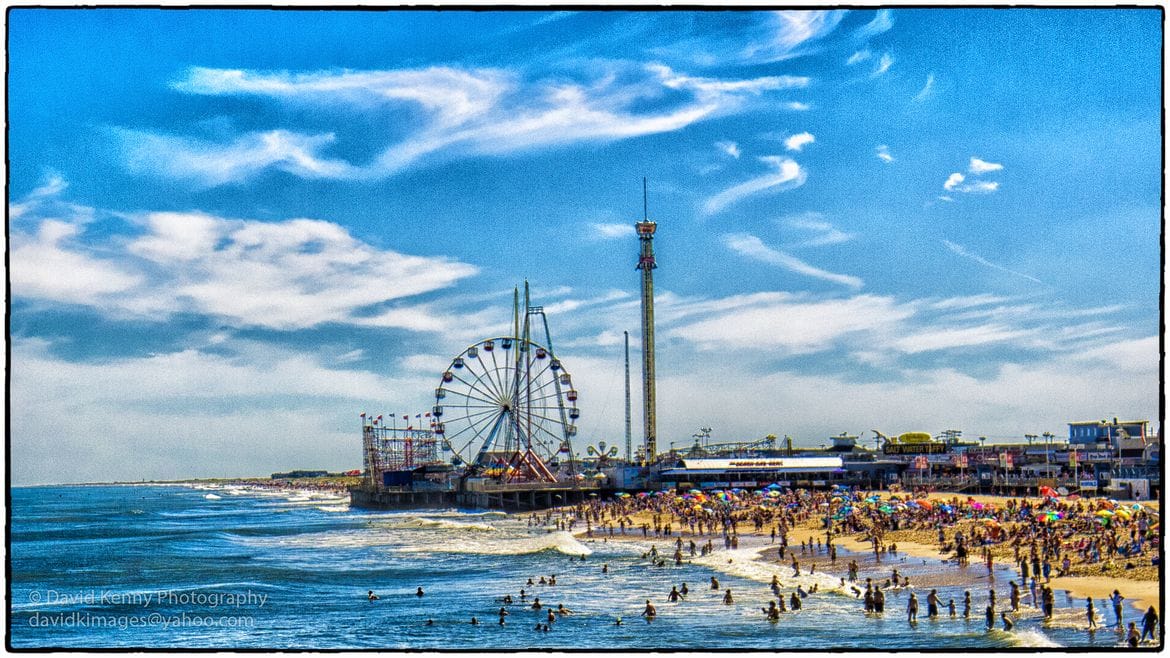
[926, 504]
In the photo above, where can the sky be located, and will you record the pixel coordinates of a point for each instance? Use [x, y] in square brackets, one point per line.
[232, 231]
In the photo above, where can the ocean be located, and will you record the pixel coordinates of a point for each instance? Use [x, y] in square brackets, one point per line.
[154, 566]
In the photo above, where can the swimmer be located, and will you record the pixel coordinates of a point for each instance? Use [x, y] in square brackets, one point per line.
[683, 590]
[617, 622]
[771, 611]
[649, 612]
[781, 607]
[552, 616]
[562, 610]
[800, 590]
[605, 568]
[430, 622]
[523, 595]
[419, 593]
[674, 595]
[795, 602]
[371, 596]
[507, 599]
[727, 598]
[536, 603]
[542, 581]
[474, 621]
[530, 582]
[714, 583]
[1007, 623]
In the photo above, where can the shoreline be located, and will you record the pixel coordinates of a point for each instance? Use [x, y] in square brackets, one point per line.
[1140, 593]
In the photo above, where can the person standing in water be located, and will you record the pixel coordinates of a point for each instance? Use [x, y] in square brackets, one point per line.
[1149, 623]
[912, 609]
[1091, 614]
[649, 612]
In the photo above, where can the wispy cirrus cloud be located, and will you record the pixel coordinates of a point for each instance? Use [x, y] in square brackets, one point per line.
[791, 30]
[787, 175]
[858, 57]
[799, 141]
[883, 65]
[927, 89]
[881, 22]
[822, 233]
[730, 148]
[461, 112]
[962, 251]
[752, 247]
[883, 153]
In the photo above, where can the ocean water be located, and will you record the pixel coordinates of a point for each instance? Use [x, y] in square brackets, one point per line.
[174, 566]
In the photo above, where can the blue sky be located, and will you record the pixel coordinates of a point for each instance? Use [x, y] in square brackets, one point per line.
[232, 231]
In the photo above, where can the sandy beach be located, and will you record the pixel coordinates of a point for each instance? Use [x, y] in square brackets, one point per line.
[1140, 585]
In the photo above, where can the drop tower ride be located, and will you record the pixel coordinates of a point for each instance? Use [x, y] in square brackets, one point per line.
[645, 229]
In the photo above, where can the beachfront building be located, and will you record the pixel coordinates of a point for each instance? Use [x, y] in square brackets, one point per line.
[800, 471]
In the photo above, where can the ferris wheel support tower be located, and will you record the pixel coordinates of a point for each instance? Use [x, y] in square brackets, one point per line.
[645, 229]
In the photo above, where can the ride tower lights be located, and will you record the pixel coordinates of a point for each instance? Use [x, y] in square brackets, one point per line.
[645, 230]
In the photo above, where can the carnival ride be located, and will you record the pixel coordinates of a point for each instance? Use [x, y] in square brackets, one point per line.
[505, 407]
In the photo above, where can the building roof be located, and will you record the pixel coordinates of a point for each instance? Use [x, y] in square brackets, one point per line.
[762, 463]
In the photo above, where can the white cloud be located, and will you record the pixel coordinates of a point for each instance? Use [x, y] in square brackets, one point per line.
[824, 233]
[281, 275]
[883, 65]
[752, 247]
[791, 324]
[883, 153]
[926, 90]
[979, 187]
[953, 181]
[462, 112]
[797, 106]
[882, 21]
[730, 148]
[791, 30]
[787, 175]
[52, 264]
[948, 199]
[611, 231]
[961, 251]
[857, 57]
[799, 141]
[216, 164]
[981, 167]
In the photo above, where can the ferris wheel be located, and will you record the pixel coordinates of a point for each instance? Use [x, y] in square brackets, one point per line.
[502, 397]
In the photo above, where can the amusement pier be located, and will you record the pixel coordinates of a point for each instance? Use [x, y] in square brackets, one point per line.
[502, 434]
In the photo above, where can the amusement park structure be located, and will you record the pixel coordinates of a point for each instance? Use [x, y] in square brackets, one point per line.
[506, 407]
[646, 263]
[501, 427]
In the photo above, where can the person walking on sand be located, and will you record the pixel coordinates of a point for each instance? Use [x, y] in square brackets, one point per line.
[912, 609]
